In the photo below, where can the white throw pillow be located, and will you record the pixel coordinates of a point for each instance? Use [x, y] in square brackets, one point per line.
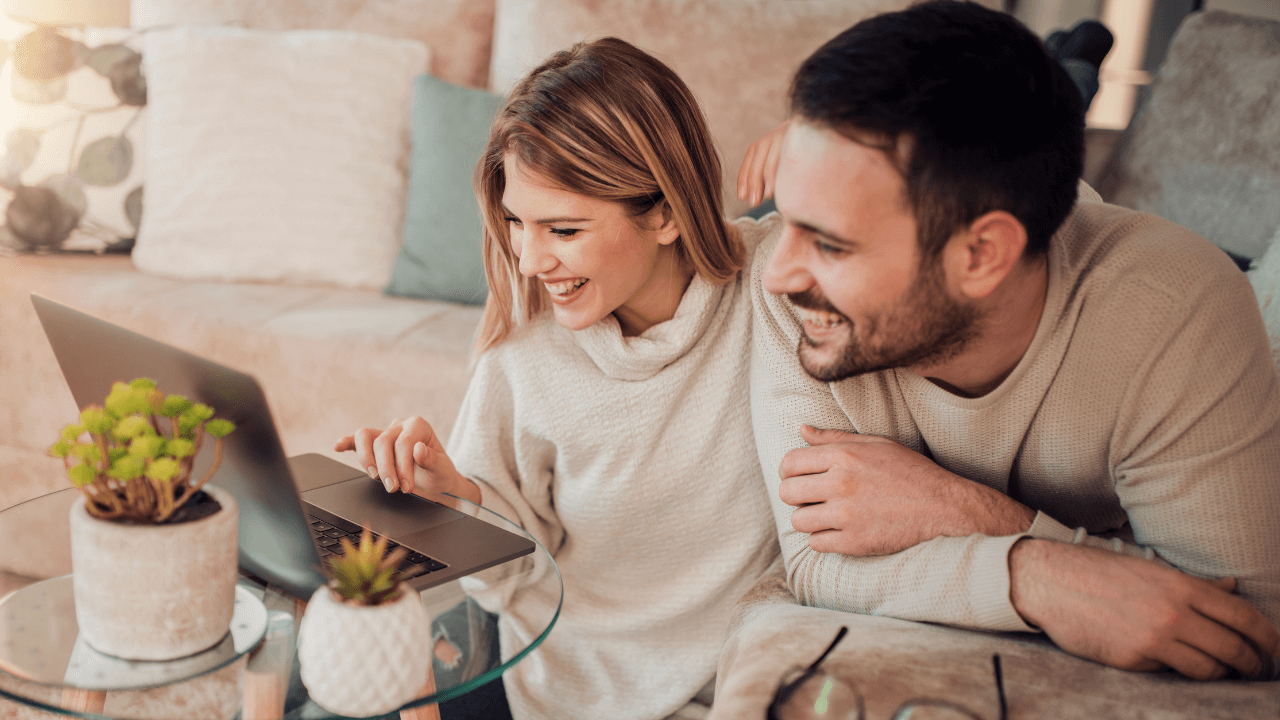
[276, 156]
[1265, 277]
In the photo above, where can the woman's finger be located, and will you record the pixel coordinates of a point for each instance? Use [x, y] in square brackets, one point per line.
[364, 450]
[770, 172]
[403, 449]
[745, 174]
[384, 456]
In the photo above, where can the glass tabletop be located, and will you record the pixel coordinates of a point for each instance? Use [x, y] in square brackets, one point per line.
[253, 672]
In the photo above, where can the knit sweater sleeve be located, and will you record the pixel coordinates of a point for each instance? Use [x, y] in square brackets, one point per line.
[511, 466]
[962, 581]
[1196, 444]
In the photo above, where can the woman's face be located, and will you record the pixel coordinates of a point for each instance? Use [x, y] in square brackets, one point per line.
[592, 258]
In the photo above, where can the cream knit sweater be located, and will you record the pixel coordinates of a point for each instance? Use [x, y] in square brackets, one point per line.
[1147, 397]
[631, 460]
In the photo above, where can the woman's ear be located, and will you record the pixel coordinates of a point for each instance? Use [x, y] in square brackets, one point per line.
[979, 258]
[664, 223]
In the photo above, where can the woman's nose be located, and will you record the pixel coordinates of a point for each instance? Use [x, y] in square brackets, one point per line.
[533, 256]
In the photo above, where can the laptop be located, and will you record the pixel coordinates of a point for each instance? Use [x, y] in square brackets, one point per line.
[293, 511]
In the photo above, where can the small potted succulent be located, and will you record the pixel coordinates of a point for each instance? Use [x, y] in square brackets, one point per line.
[364, 641]
[153, 551]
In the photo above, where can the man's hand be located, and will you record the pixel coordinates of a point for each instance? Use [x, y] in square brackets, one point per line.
[1135, 614]
[867, 495]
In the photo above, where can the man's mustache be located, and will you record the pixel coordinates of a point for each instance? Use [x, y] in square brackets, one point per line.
[812, 299]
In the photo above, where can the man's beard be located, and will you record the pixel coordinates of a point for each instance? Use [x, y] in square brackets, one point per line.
[926, 328]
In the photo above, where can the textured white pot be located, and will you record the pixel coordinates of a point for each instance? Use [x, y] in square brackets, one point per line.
[364, 660]
[155, 592]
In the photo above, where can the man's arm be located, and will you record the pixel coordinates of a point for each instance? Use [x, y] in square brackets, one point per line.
[1196, 448]
[1134, 614]
[961, 581]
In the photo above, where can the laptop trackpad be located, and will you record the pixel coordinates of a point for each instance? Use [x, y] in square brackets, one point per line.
[364, 501]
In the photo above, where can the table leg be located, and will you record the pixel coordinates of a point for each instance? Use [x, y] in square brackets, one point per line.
[266, 674]
[84, 701]
[262, 695]
[424, 712]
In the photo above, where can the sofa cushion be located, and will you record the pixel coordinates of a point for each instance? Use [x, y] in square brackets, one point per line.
[276, 155]
[1204, 150]
[459, 32]
[737, 56]
[441, 257]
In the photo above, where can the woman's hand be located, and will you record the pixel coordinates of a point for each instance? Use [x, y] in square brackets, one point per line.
[760, 166]
[406, 455]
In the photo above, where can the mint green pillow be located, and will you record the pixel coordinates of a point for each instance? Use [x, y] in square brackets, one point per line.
[441, 257]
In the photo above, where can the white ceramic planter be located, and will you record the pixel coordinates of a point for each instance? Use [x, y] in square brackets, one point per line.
[364, 660]
[155, 592]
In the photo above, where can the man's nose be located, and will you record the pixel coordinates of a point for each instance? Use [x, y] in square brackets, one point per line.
[786, 271]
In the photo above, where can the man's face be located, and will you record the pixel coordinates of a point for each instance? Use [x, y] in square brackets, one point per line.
[849, 262]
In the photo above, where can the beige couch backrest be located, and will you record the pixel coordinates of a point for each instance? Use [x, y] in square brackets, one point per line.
[737, 56]
[459, 32]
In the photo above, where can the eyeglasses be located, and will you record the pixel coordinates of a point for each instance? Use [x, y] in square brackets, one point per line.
[818, 695]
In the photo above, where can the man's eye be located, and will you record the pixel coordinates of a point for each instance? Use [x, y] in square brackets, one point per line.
[565, 232]
[829, 249]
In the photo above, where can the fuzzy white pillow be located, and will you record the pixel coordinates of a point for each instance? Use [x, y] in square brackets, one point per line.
[1265, 277]
[276, 156]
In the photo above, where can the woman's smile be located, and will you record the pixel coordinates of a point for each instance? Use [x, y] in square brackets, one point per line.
[564, 291]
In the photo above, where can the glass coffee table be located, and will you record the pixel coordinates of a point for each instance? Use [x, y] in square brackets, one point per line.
[252, 674]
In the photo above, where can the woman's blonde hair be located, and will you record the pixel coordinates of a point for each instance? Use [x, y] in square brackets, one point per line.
[608, 121]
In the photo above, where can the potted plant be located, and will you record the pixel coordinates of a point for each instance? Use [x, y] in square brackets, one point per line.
[153, 552]
[364, 641]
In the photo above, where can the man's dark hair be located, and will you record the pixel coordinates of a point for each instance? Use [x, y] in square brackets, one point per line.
[968, 106]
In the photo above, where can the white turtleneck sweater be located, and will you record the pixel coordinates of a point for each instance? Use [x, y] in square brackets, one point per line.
[631, 460]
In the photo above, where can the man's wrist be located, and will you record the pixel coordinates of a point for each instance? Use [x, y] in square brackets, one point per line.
[1025, 557]
[992, 513]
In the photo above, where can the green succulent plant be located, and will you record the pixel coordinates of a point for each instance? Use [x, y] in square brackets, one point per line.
[367, 574]
[137, 462]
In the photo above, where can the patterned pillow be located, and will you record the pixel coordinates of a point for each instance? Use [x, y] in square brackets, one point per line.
[72, 166]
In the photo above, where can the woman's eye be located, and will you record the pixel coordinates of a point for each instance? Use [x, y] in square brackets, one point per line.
[512, 220]
[565, 232]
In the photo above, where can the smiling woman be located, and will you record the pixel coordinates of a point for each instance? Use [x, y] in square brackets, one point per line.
[608, 413]
[603, 124]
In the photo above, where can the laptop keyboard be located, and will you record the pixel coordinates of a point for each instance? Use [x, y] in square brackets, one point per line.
[328, 536]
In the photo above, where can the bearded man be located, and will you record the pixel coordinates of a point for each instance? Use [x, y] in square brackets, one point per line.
[992, 400]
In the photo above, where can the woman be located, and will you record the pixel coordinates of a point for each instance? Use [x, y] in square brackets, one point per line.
[608, 413]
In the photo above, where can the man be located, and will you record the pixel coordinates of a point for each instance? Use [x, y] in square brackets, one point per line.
[1066, 414]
